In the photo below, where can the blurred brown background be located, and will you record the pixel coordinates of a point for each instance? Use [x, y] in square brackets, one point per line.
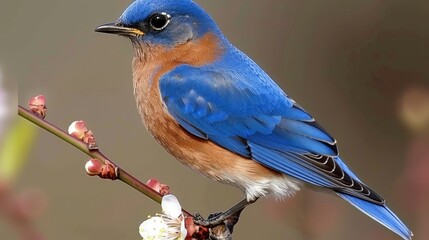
[360, 67]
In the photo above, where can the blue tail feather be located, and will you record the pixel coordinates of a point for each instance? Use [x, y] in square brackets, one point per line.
[381, 214]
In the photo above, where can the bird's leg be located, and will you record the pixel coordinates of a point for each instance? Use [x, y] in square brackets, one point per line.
[218, 218]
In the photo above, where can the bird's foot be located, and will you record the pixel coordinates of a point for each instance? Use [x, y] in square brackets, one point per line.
[229, 217]
[214, 219]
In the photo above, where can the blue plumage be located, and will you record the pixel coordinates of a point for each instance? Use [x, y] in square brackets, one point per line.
[381, 214]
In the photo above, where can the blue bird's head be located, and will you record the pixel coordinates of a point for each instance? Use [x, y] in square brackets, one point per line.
[168, 23]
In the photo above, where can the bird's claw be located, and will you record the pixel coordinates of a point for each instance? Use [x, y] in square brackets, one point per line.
[214, 219]
[199, 220]
[214, 215]
[198, 217]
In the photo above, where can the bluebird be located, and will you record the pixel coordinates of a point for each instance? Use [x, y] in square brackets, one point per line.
[216, 111]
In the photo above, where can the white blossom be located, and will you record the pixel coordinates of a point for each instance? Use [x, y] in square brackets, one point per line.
[167, 226]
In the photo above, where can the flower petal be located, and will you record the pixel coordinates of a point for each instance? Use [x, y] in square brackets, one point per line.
[171, 206]
[183, 231]
[153, 228]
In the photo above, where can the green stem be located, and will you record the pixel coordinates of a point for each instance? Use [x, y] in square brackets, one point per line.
[122, 174]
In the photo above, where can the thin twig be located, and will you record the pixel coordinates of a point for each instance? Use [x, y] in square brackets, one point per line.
[121, 174]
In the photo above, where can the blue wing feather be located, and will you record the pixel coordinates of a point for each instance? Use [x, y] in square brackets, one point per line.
[287, 141]
[190, 128]
[234, 144]
[275, 160]
[381, 214]
[305, 129]
[298, 114]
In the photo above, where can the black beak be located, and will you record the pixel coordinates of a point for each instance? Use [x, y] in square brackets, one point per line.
[119, 29]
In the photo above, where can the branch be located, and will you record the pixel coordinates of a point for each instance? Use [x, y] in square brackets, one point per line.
[121, 174]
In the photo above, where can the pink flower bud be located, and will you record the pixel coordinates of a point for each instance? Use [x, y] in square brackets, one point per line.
[154, 184]
[94, 167]
[165, 189]
[161, 188]
[90, 140]
[109, 171]
[78, 129]
[37, 106]
[39, 100]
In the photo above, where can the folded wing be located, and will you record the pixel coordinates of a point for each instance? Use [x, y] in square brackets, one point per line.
[254, 118]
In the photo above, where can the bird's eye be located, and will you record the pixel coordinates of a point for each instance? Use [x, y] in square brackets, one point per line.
[159, 21]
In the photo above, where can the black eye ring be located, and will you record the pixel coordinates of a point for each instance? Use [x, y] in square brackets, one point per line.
[159, 21]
